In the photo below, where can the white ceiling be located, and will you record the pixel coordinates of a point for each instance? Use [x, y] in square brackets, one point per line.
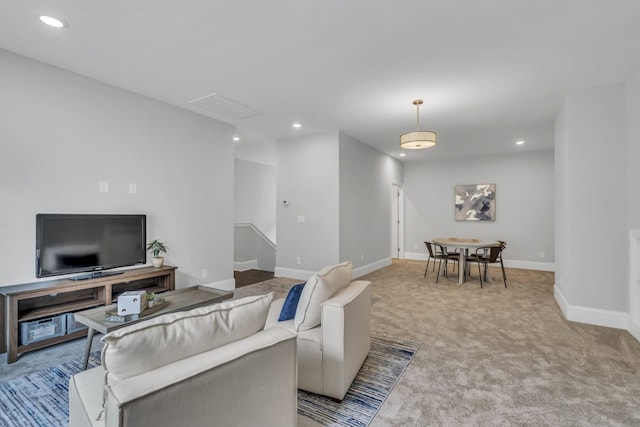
[490, 71]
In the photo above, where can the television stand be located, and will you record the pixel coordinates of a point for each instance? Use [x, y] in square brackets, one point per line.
[55, 301]
[95, 274]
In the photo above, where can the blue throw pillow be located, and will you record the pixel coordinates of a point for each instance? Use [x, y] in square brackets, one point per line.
[288, 311]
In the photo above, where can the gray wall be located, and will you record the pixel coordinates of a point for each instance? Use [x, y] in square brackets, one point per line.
[307, 177]
[524, 204]
[633, 150]
[61, 134]
[255, 196]
[366, 176]
[633, 200]
[592, 166]
[251, 250]
[342, 187]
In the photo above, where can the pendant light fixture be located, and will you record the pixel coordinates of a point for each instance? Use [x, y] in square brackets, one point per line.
[420, 138]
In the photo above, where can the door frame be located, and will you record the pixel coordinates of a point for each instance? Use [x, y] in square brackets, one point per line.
[396, 248]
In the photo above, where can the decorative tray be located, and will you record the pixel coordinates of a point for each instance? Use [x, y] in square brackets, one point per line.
[113, 316]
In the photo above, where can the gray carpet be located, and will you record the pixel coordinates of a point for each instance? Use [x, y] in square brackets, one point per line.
[491, 356]
[42, 359]
[40, 399]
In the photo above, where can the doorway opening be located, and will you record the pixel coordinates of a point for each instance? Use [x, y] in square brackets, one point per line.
[397, 225]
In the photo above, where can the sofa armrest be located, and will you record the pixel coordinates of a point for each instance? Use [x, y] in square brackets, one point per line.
[346, 319]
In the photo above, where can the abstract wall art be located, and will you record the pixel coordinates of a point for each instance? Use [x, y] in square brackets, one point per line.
[476, 202]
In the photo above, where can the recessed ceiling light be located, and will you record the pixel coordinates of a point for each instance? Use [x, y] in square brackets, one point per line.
[53, 22]
[236, 138]
[297, 125]
[403, 154]
[519, 142]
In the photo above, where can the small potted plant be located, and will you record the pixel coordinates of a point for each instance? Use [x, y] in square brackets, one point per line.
[151, 299]
[156, 248]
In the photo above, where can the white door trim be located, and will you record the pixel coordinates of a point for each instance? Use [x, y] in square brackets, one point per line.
[397, 192]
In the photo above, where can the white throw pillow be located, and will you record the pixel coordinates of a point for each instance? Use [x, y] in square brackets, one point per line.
[148, 345]
[319, 288]
[337, 277]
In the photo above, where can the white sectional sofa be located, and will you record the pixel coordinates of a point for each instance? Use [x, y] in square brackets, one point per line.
[214, 365]
[332, 322]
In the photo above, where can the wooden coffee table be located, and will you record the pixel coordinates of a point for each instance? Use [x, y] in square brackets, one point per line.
[179, 300]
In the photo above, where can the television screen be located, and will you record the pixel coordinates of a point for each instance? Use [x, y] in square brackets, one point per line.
[72, 243]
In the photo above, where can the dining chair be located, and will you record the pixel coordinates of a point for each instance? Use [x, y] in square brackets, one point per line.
[438, 252]
[489, 255]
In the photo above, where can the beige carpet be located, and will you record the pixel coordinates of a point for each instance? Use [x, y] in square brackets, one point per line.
[491, 356]
[497, 356]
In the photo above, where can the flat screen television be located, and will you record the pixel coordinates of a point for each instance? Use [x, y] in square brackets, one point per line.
[75, 243]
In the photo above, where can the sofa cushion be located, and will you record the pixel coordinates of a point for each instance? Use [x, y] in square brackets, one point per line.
[318, 289]
[288, 311]
[148, 345]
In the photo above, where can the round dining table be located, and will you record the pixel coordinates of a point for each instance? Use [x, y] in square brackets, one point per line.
[463, 245]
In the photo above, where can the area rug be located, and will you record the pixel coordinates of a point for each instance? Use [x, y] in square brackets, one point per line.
[383, 367]
[41, 399]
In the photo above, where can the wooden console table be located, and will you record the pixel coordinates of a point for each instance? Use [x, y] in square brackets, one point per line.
[40, 300]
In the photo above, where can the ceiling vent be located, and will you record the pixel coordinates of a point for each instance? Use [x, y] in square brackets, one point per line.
[226, 107]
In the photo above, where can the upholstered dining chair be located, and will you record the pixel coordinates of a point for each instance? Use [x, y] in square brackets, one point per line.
[489, 255]
[438, 252]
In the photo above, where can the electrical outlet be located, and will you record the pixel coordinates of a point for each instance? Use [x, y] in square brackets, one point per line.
[415, 246]
[133, 188]
[361, 257]
[542, 254]
[298, 260]
[204, 273]
[104, 186]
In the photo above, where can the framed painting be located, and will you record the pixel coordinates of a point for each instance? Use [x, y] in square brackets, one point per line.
[476, 202]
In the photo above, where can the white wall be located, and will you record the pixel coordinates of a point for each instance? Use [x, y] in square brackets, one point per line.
[251, 250]
[593, 245]
[366, 176]
[561, 160]
[307, 178]
[61, 134]
[633, 150]
[255, 196]
[633, 200]
[524, 204]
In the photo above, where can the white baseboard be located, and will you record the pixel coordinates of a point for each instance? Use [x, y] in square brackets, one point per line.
[562, 302]
[530, 265]
[293, 273]
[510, 263]
[366, 269]
[418, 256]
[245, 265]
[305, 274]
[634, 330]
[225, 285]
[591, 316]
